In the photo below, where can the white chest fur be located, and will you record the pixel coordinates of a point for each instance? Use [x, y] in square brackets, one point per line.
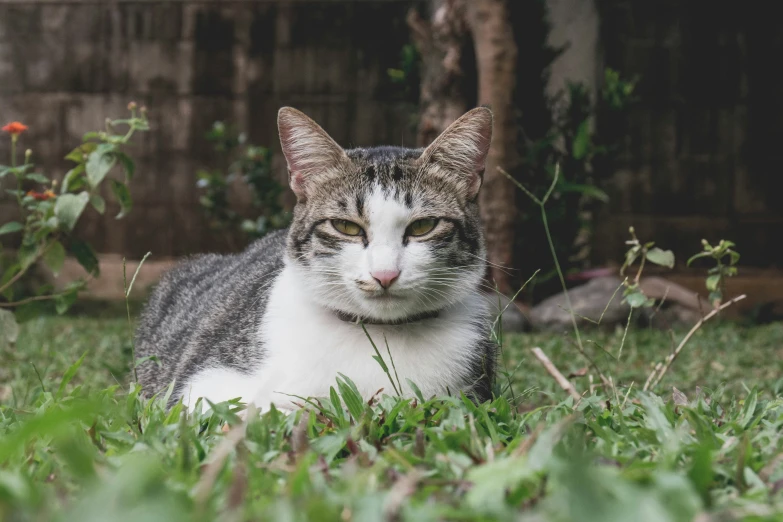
[307, 346]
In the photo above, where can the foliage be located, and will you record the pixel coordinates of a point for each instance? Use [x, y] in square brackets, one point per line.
[251, 165]
[408, 73]
[80, 447]
[573, 143]
[643, 252]
[47, 219]
[76, 445]
[716, 280]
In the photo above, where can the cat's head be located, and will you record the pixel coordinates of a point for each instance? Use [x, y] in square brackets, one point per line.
[387, 233]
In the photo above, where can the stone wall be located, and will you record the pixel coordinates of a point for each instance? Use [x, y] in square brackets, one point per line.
[66, 65]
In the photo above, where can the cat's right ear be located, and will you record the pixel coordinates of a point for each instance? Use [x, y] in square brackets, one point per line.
[309, 151]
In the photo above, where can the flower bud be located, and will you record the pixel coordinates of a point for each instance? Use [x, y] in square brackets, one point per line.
[132, 106]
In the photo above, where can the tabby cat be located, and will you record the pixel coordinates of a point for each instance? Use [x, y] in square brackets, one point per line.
[384, 237]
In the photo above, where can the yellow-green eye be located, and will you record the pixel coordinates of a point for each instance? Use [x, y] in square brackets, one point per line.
[422, 226]
[348, 228]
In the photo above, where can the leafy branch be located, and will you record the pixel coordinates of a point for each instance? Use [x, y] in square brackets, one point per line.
[716, 280]
[48, 215]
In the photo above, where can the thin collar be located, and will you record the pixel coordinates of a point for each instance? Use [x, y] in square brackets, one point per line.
[353, 318]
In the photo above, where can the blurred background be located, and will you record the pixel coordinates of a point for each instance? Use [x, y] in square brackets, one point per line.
[666, 116]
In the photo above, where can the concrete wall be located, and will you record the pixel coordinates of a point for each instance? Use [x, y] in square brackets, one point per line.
[701, 151]
[66, 65]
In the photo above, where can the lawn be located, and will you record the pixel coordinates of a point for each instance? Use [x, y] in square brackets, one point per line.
[76, 442]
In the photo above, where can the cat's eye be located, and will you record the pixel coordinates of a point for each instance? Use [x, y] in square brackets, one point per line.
[421, 227]
[349, 228]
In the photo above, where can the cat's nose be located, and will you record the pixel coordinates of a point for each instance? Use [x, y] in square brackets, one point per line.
[385, 277]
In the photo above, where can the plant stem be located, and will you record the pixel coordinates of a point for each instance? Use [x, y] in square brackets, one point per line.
[542, 204]
[14, 137]
[31, 299]
[13, 280]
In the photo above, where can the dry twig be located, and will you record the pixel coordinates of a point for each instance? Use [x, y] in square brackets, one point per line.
[554, 372]
[653, 380]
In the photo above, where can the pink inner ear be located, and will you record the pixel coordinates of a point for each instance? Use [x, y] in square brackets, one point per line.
[297, 181]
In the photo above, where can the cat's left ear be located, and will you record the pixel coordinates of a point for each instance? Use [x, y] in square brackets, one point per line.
[462, 149]
[310, 152]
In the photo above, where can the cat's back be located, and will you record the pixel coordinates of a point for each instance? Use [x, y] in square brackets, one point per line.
[205, 310]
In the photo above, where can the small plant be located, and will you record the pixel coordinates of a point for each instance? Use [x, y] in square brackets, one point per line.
[253, 166]
[716, 280]
[643, 252]
[574, 145]
[408, 74]
[48, 214]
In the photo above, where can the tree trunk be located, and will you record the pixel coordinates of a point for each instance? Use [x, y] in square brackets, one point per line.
[496, 59]
[441, 41]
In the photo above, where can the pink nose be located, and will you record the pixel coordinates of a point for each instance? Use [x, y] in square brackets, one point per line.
[386, 277]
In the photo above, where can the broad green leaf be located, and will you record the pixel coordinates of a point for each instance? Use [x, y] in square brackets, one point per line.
[127, 165]
[712, 282]
[99, 163]
[661, 257]
[72, 181]
[582, 140]
[631, 256]
[38, 178]
[54, 257]
[80, 153]
[69, 208]
[85, 255]
[123, 196]
[697, 256]
[65, 300]
[98, 203]
[76, 155]
[27, 254]
[11, 227]
[636, 299]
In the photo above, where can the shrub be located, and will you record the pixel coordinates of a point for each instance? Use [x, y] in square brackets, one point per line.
[48, 212]
[252, 165]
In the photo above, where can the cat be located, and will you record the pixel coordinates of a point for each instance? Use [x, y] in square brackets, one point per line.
[384, 238]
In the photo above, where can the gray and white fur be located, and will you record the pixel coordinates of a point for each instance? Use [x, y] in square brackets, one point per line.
[387, 236]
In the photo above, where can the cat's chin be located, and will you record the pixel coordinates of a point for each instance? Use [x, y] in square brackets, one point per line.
[383, 307]
[394, 307]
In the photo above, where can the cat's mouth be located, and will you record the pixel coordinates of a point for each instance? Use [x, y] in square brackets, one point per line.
[382, 296]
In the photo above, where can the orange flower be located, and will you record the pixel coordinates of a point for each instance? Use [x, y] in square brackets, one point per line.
[15, 128]
[42, 196]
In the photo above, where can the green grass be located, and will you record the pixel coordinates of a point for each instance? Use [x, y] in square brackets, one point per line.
[78, 443]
